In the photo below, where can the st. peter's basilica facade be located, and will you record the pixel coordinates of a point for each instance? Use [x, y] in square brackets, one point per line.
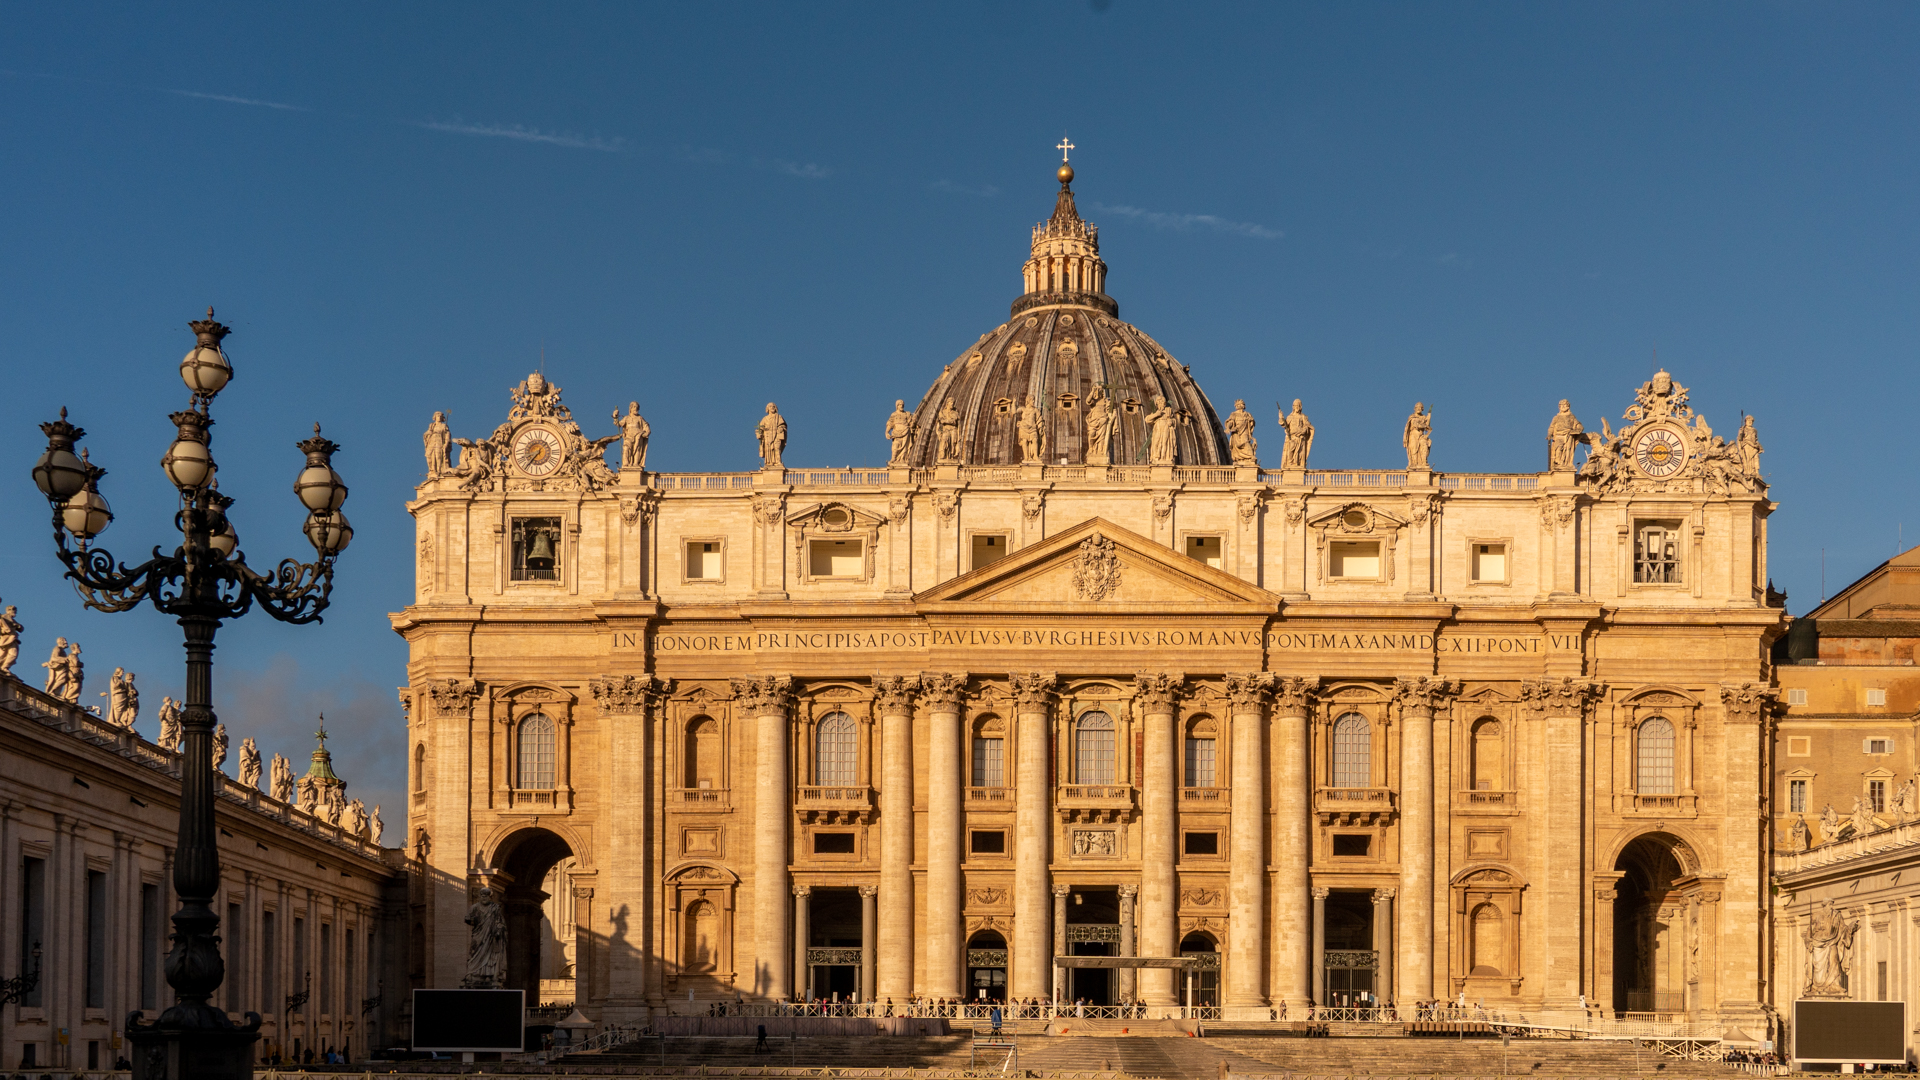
[1075, 674]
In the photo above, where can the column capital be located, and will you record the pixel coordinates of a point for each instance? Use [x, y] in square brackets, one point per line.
[1158, 690]
[1293, 694]
[1321, 892]
[894, 694]
[1748, 703]
[941, 691]
[1422, 694]
[1062, 890]
[452, 697]
[765, 694]
[803, 890]
[1565, 696]
[1250, 691]
[1128, 892]
[1383, 896]
[868, 892]
[628, 693]
[1034, 688]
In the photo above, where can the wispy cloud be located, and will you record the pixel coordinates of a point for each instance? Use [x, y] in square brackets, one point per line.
[1190, 222]
[985, 191]
[800, 170]
[279, 707]
[526, 134]
[231, 100]
[804, 170]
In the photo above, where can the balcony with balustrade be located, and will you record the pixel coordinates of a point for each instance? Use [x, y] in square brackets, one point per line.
[1486, 801]
[1354, 805]
[989, 798]
[818, 805]
[1204, 798]
[1086, 803]
[700, 799]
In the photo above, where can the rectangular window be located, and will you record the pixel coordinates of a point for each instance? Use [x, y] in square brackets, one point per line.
[352, 1004]
[1489, 562]
[302, 981]
[836, 558]
[1878, 746]
[1797, 796]
[1877, 795]
[1200, 763]
[269, 964]
[833, 843]
[1876, 698]
[96, 943]
[1093, 755]
[1207, 550]
[989, 763]
[33, 919]
[235, 949]
[985, 842]
[988, 549]
[703, 560]
[536, 549]
[326, 968]
[1352, 845]
[1202, 843]
[151, 918]
[1357, 559]
[1797, 696]
[1656, 553]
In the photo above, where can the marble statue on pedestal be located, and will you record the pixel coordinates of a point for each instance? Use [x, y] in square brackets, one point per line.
[1299, 438]
[169, 725]
[771, 432]
[1101, 421]
[123, 700]
[1241, 445]
[1828, 937]
[1417, 436]
[634, 433]
[10, 631]
[438, 439]
[486, 941]
[1564, 435]
[899, 432]
[249, 763]
[1026, 424]
[219, 746]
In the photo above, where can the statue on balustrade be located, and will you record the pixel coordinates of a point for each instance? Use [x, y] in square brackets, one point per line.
[1101, 421]
[1417, 436]
[1299, 438]
[219, 746]
[10, 631]
[634, 433]
[169, 725]
[123, 700]
[1026, 424]
[899, 432]
[438, 439]
[249, 764]
[1797, 838]
[1241, 445]
[1163, 427]
[1564, 435]
[771, 432]
[947, 425]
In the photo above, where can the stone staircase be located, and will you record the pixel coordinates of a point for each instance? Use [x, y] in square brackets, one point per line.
[1443, 1056]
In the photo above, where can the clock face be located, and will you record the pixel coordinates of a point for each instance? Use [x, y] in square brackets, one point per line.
[1659, 452]
[537, 451]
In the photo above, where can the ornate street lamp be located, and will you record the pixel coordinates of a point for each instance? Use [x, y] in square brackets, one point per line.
[205, 581]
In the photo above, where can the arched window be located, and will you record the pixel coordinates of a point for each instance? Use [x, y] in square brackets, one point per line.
[989, 754]
[1655, 759]
[420, 768]
[536, 753]
[835, 754]
[1489, 756]
[1200, 771]
[1352, 751]
[1093, 739]
[702, 753]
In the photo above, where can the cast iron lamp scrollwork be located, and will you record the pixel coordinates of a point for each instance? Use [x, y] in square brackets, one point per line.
[201, 583]
[15, 990]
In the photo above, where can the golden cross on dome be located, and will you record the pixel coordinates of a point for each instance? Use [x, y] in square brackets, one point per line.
[322, 733]
[1063, 148]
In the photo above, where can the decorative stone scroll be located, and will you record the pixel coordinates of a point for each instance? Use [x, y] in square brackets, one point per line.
[833, 957]
[453, 696]
[628, 693]
[986, 958]
[893, 694]
[1423, 693]
[764, 695]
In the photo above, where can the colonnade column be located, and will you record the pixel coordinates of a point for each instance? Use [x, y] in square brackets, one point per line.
[940, 695]
[1418, 697]
[1128, 945]
[1383, 945]
[1560, 706]
[869, 933]
[1246, 844]
[1320, 941]
[1059, 932]
[894, 944]
[1159, 784]
[1736, 977]
[767, 699]
[1033, 832]
[1297, 982]
[802, 937]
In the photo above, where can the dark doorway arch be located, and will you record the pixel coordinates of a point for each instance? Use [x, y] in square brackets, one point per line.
[986, 967]
[524, 862]
[1206, 979]
[1649, 946]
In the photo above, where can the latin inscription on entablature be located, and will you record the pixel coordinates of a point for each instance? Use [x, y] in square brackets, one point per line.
[1187, 637]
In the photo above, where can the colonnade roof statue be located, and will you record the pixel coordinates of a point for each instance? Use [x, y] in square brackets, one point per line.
[1064, 376]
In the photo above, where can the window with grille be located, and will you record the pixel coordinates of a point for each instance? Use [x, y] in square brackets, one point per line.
[536, 549]
[835, 753]
[1656, 553]
[536, 753]
[1200, 771]
[1797, 796]
[1877, 795]
[1352, 751]
[989, 762]
[1655, 774]
[1093, 741]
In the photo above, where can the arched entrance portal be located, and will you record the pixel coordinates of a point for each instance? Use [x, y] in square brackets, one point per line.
[1651, 939]
[987, 967]
[536, 951]
[1206, 980]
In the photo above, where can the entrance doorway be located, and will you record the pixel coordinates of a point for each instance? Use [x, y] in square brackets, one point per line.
[1351, 961]
[833, 944]
[987, 968]
[1206, 980]
[1093, 929]
[525, 860]
[1649, 936]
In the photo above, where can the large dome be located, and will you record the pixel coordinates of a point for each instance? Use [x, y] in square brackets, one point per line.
[1064, 341]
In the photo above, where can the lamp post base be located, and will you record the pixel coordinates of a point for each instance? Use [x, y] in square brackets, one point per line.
[165, 1052]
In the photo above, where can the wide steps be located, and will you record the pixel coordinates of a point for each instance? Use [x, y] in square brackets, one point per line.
[1440, 1056]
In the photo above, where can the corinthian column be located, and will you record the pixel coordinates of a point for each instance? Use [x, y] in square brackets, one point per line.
[1246, 846]
[894, 948]
[1128, 947]
[802, 938]
[1033, 833]
[1295, 985]
[940, 696]
[1418, 698]
[1158, 794]
[767, 700]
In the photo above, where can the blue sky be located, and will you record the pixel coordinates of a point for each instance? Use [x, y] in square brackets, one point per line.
[1486, 207]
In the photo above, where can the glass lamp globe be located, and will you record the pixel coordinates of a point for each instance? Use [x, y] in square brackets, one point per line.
[188, 463]
[86, 515]
[320, 488]
[225, 540]
[205, 369]
[58, 474]
[329, 532]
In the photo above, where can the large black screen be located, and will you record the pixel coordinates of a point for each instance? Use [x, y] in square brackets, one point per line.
[1858, 1031]
[461, 1020]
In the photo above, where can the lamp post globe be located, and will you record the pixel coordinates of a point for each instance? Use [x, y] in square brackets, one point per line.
[206, 370]
[60, 474]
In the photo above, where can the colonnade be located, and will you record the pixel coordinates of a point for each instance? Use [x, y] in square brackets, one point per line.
[1273, 906]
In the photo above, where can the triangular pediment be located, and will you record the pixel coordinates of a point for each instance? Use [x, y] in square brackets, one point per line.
[1101, 566]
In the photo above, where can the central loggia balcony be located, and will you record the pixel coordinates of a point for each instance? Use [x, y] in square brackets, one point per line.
[1354, 805]
[1094, 802]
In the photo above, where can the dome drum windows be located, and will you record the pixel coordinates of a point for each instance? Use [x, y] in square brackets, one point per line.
[534, 757]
